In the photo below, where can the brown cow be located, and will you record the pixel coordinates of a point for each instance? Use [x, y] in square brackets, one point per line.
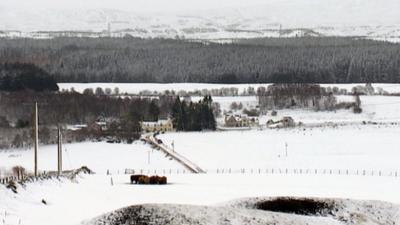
[135, 178]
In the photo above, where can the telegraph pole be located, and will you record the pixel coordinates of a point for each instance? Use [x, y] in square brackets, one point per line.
[59, 152]
[36, 138]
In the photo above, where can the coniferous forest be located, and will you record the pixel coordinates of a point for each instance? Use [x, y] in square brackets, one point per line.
[267, 60]
[193, 116]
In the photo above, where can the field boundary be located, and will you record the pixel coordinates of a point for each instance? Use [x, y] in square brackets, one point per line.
[275, 171]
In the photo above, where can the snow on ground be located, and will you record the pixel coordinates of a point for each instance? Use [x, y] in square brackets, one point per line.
[373, 148]
[70, 203]
[348, 147]
[259, 211]
[375, 108]
[99, 157]
[353, 146]
[135, 88]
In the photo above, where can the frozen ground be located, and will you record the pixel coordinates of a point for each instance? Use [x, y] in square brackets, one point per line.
[373, 148]
[375, 108]
[99, 157]
[70, 203]
[347, 147]
[135, 88]
[353, 147]
[259, 211]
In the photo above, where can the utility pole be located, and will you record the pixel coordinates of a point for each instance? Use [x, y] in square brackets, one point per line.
[36, 138]
[286, 145]
[59, 152]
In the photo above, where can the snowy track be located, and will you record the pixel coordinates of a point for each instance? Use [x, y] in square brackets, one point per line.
[175, 155]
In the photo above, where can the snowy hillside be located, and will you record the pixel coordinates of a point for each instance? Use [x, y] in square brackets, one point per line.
[192, 20]
[248, 212]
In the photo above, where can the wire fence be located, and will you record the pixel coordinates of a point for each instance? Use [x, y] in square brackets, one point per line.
[277, 171]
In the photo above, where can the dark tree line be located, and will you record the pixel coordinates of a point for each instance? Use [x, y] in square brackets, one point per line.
[272, 60]
[193, 116]
[25, 76]
[76, 108]
[123, 116]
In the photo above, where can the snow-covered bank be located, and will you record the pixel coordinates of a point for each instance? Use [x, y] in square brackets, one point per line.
[248, 212]
[70, 203]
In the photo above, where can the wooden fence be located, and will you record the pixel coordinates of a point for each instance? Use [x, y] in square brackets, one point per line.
[277, 171]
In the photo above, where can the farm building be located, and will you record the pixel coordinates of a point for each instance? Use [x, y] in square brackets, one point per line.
[241, 121]
[160, 126]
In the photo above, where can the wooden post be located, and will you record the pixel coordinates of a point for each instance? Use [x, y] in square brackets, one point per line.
[59, 152]
[36, 139]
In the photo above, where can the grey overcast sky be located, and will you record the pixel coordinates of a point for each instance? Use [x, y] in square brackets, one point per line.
[134, 5]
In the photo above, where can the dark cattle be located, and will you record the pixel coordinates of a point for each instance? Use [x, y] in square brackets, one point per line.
[162, 180]
[154, 179]
[143, 179]
[135, 178]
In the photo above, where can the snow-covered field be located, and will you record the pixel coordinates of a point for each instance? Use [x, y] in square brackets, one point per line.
[353, 146]
[347, 147]
[368, 147]
[70, 203]
[135, 88]
[100, 157]
[383, 109]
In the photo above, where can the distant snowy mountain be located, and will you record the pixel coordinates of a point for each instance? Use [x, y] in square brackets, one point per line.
[285, 18]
